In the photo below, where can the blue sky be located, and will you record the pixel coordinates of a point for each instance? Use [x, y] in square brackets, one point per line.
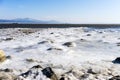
[70, 11]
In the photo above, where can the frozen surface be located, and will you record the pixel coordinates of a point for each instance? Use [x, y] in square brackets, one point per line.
[94, 48]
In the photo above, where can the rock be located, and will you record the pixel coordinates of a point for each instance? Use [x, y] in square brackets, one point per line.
[62, 78]
[54, 77]
[8, 57]
[88, 35]
[91, 71]
[49, 49]
[27, 31]
[7, 76]
[26, 74]
[8, 39]
[82, 40]
[6, 70]
[51, 33]
[42, 42]
[54, 49]
[84, 76]
[34, 73]
[100, 32]
[37, 66]
[117, 60]
[69, 44]
[30, 60]
[48, 72]
[58, 49]
[115, 78]
[77, 73]
[2, 56]
[118, 44]
[68, 76]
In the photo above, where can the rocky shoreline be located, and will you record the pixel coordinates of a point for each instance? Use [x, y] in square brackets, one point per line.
[39, 73]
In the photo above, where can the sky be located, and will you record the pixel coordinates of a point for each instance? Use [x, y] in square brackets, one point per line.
[67, 11]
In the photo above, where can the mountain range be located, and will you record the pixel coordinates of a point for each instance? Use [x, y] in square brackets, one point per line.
[28, 21]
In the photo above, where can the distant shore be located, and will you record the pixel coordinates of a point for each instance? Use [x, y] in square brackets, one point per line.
[16, 25]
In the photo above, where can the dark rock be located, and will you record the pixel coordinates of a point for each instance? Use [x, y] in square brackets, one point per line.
[117, 60]
[118, 38]
[58, 49]
[118, 44]
[34, 72]
[49, 49]
[115, 78]
[8, 70]
[37, 66]
[8, 39]
[48, 72]
[88, 35]
[51, 41]
[54, 49]
[26, 74]
[69, 44]
[91, 71]
[29, 60]
[100, 32]
[42, 42]
[82, 40]
[62, 78]
[52, 33]
[84, 76]
[8, 57]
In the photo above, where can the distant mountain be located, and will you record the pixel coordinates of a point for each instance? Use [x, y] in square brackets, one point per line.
[27, 20]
